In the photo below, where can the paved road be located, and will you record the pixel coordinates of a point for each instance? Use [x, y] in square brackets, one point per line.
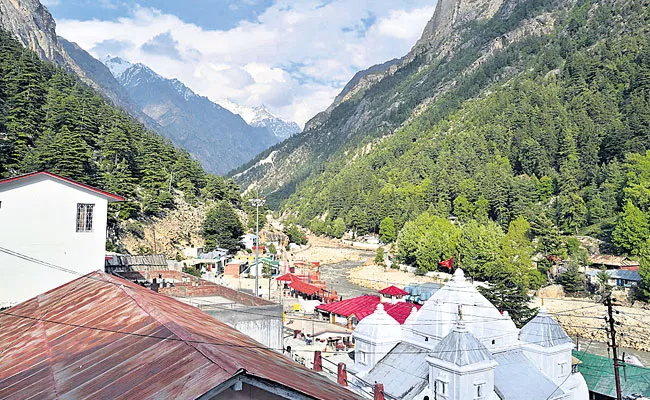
[336, 277]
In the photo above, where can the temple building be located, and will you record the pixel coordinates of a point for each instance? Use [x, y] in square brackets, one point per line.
[459, 346]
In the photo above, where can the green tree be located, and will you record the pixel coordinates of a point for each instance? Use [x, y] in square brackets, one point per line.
[338, 228]
[603, 281]
[632, 229]
[379, 256]
[507, 294]
[479, 248]
[643, 289]
[463, 209]
[387, 232]
[296, 235]
[572, 280]
[222, 228]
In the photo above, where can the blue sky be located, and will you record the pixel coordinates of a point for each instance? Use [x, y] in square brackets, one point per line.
[294, 56]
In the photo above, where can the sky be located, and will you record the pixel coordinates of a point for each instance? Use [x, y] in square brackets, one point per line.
[293, 56]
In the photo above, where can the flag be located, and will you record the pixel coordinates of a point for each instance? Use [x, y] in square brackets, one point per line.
[447, 263]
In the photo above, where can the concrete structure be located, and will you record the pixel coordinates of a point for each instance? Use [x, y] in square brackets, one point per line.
[102, 337]
[459, 346]
[51, 219]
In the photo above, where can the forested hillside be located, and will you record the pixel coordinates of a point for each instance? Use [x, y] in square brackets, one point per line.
[50, 120]
[560, 145]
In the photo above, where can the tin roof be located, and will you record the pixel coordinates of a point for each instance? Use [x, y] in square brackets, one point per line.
[626, 274]
[100, 336]
[110, 196]
[304, 287]
[517, 378]
[363, 306]
[543, 331]
[393, 290]
[403, 376]
[598, 372]
[461, 348]
[616, 261]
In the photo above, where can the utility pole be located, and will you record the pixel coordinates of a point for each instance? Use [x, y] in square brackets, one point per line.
[257, 203]
[612, 333]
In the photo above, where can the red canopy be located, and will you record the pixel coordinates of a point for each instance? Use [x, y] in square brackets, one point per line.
[287, 278]
[393, 291]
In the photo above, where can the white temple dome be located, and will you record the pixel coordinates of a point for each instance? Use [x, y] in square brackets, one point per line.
[461, 348]
[379, 327]
[543, 330]
[439, 316]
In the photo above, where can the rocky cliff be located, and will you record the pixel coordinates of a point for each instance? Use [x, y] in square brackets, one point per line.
[382, 98]
[32, 25]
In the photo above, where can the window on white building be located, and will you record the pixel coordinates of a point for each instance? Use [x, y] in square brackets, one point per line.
[362, 358]
[479, 391]
[441, 389]
[85, 217]
[563, 368]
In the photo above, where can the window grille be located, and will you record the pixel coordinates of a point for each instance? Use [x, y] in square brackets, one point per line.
[85, 217]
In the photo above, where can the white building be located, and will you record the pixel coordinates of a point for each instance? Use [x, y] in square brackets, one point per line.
[54, 220]
[249, 240]
[459, 346]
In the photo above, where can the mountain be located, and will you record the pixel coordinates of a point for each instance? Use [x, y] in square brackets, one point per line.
[261, 117]
[49, 120]
[32, 25]
[377, 101]
[219, 139]
[502, 110]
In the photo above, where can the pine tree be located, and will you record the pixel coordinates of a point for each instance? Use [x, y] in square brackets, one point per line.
[572, 280]
[632, 229]
[387, 232]
[222, 228]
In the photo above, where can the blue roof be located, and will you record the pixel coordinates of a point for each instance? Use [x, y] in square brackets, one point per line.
[626, 274]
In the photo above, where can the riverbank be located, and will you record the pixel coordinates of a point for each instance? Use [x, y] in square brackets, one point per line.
[376, 277]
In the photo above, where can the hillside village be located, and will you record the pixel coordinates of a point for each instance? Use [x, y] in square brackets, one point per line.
[470, 220]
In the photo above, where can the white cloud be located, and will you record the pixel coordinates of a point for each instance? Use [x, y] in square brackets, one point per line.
[294, 58]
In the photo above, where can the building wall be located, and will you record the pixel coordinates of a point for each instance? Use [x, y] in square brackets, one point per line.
[262, 323]
[38, 219]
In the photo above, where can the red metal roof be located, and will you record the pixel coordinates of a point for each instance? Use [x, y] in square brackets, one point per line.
[108, 195]
[393, 290]
[288, 277]
[304, 287]
[363, 306]
[104, 337]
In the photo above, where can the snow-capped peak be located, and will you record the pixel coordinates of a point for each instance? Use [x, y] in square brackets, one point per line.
[116, 65]
[260, 116]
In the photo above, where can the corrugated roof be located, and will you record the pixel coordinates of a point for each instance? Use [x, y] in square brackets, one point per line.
[517, 378]
[110, 196]
[403, 376]
[104, 337]
[393, 290]
[461, 348]
[363, 306]
[629, 275]
[617, 261]
[544, 331]
[598, 372]
[304, 287]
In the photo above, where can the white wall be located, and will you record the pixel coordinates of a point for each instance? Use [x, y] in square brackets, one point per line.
[461, 382]
[38, 219]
